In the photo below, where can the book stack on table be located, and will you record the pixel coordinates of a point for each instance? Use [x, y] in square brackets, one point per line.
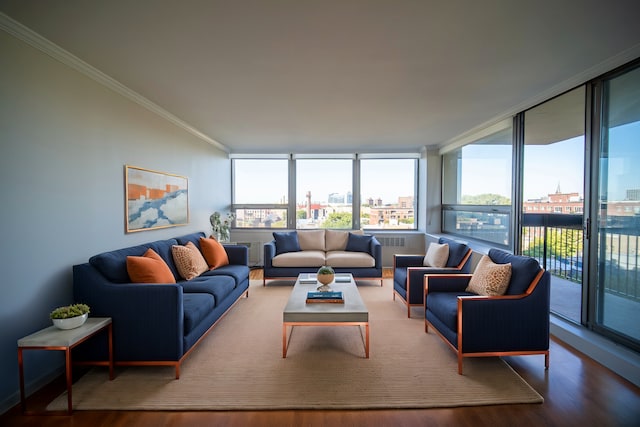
[326, 297]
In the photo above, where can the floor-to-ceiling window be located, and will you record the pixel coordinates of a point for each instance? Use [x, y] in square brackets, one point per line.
[616, 224]
[553, 195]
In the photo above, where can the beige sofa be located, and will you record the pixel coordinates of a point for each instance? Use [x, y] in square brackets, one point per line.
[346, 251]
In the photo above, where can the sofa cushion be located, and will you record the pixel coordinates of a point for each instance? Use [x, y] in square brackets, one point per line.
[336, 240]
[149, 268]
[457, 251]
[193, 237]
[311, 240]
[113, 264]
[196, 307]
[350, 259]
[213, 252]
[358, 243]
[299, 259]
[489, 278]
[218, 286]
[444, 305]
[239, 273]
[437, 255]
[189, 260]
[286, 241]
[523, 270]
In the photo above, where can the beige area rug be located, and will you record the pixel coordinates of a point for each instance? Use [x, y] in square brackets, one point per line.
[239, 366]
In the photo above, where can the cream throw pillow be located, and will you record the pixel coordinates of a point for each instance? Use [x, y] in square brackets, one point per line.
[437, 255]
[189, 261]
[489, 278]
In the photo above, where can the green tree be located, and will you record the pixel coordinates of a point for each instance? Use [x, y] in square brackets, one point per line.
[301, 214]
[486, 199]
[338, 220]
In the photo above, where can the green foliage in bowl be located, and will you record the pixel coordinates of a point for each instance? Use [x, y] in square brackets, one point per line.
[325, 269]
[68, 311]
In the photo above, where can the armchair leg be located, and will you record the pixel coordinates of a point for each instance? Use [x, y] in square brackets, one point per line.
[459, 363]
[546, 360]
[409, 310]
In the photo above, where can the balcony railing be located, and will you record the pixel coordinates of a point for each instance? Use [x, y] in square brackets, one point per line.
[555, 240]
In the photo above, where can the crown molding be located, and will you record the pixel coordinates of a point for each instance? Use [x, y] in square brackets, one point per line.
[34, 39]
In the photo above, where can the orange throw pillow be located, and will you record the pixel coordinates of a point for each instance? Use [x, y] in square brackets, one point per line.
[149, 268]
[214, 253]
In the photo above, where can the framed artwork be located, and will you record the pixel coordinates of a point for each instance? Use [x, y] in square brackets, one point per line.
[154, 199]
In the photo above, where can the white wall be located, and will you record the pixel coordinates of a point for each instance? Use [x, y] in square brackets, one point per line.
[64, 141]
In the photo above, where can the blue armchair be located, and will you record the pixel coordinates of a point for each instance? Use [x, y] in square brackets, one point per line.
[516, 323]
[408, 272]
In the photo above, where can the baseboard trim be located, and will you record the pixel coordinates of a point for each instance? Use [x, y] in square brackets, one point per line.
[615, 357]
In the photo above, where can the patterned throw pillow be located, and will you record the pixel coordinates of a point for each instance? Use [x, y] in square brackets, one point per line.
[437, 255]
[489, 278]
[149, 268]
[189, 261]
[214, 253]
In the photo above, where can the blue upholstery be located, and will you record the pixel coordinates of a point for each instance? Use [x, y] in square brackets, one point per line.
[492, 325]
[151, 322]
[196, 307]
[358, 243]
[409, 271]
[286, 241]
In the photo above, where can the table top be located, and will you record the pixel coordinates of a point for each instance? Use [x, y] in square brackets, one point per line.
[298, 310]
[54, 337]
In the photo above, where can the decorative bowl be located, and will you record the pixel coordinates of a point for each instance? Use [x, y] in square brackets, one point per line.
[70, 322]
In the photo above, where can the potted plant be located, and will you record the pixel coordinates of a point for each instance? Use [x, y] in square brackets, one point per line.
[219, 227]
[325, 276]
[70, 316]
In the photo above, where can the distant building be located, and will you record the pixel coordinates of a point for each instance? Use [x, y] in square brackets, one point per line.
[560, 203]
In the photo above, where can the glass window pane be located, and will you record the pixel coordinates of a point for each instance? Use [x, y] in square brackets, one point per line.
[553, 199]
[261, 218]
[618, 267]
[387, 193]
[260, 181]
[479, 173]
[324, 193]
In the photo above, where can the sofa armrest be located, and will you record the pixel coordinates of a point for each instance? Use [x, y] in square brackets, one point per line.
[514, 322]
[148, 319]
[376, 251]
[404, 260]
[446, 282]
[269, 253]
[238, 254]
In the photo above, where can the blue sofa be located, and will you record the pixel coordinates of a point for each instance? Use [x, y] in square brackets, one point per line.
[304, 251]
[159, 324]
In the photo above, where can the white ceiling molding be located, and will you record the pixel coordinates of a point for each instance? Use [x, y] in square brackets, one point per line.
[34, 39]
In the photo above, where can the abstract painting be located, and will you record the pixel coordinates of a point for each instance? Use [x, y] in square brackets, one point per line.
[155, 199]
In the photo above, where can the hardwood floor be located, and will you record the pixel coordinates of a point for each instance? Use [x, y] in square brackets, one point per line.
[577, 392]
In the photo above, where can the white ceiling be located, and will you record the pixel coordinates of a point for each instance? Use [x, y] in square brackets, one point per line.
[263, 76]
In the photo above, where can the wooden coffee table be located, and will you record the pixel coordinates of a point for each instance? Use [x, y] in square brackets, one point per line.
[352, 312]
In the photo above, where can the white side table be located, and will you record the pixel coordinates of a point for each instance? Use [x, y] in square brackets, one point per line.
[52, 338]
